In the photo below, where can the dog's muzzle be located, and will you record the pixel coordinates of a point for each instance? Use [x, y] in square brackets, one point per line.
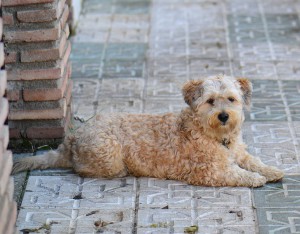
[223, 117]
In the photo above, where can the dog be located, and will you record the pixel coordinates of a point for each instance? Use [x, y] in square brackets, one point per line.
[201, 145]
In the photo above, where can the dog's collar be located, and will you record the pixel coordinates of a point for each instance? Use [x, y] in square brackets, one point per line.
[226, 143]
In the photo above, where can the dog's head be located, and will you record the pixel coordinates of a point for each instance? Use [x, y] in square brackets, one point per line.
[218, 101]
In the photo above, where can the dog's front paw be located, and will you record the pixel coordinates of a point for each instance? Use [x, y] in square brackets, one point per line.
[272, 174]
[258, 181]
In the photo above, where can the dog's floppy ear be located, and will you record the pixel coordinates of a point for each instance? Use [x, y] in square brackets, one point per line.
[246, 87]
[192, 90]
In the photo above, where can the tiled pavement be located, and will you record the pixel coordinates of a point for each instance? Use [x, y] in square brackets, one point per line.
[133, 56]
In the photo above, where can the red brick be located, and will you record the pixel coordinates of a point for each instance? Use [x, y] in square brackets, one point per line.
[10, 57]
[8, 19]
[1, 54]
[37, 16]
[13, 95]
[68, 122]
[38, 74]
[45, 54]
[68, 93]
[4, 136]
[4, 211]
[65, 59]
[45, 133]
[3, 110]
[1, 26]
[40, 55]
[57, 113]
[10, 188]
[46, 94]
[24, 2]
[14, 133]
[51, 34]
[3, 82]
[5, 170]
[10, 225]
[64, 17]
[60, 7]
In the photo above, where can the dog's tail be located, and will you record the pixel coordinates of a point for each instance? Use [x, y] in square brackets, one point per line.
[60, 158]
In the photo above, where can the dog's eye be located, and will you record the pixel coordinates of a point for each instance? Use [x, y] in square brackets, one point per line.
[211, 101]
[231, 99]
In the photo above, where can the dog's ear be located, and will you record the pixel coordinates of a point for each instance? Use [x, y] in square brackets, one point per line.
[246, 87]
[192, 90]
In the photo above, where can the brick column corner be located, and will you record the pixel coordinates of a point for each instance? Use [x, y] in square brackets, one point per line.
[8, 208]
[39, 89]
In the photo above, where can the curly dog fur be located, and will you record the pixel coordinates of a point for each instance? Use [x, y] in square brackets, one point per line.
[202, 145]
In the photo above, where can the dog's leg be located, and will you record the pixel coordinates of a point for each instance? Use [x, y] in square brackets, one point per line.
[236, 176]
[251, 163]
[230, 175]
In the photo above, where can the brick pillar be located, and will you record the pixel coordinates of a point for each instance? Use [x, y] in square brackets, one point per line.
[37, 53]
[8, 208]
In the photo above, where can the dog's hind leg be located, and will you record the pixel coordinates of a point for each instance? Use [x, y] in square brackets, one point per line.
[52, 159]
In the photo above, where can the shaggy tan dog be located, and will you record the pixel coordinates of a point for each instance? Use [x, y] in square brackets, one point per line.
[202, 145]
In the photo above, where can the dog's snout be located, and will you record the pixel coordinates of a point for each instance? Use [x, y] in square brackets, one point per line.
[223, 117]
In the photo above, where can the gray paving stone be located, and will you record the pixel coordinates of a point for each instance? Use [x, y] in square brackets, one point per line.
[20, 181]
[163, 106]
[277, 219]
[70, 203]
[168, 194]
[119, 87]
[75, 220]
[287, 196]
[96, 7]
[274, 144]
[211, 220]
[110, 105]
[123, 69]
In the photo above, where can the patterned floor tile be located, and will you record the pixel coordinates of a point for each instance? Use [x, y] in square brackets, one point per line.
[65, 204]
[279, 220]
[111, 105]
[75, 221]
[123, 69]
[63, 191]
[85, 89]
[282, 194]
[274, 144]
[86, 60]
[168, 194]
[159, 106]
[125, 51]
[119, 87]
[211, 220]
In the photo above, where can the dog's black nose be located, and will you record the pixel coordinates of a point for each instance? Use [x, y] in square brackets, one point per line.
[223, 117]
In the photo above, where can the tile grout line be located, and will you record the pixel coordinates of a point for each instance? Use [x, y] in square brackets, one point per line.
[228, 47]
[266, 30]
[147, 58]
[100, 73]
[75, 208]
[187, 44]
[136, 205]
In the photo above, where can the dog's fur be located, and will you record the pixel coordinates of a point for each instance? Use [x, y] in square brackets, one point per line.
[196, 146]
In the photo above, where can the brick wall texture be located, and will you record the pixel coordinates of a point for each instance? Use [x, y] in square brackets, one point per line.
[37, 53]
[8, 208]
